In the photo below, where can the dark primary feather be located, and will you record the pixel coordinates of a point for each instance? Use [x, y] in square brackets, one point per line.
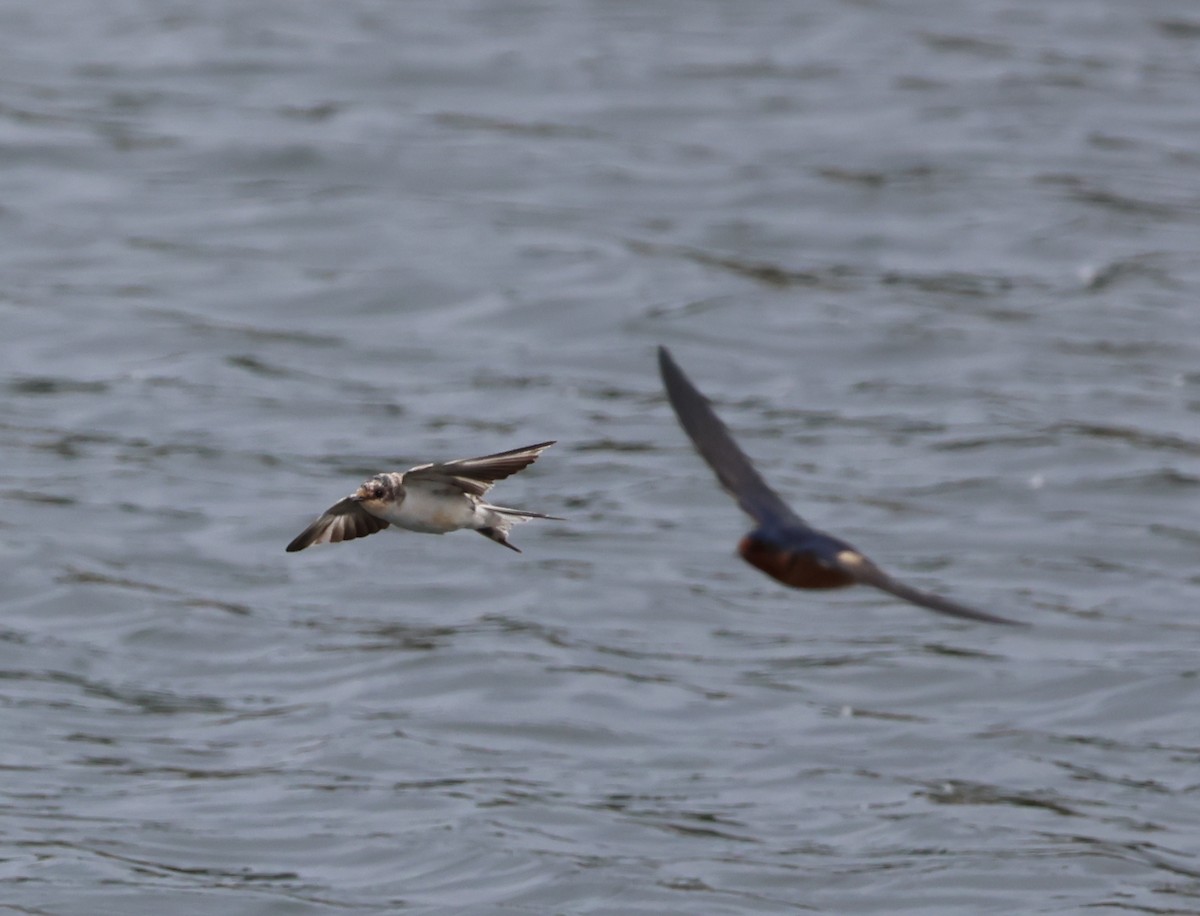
[345, 520]
[714, 442]
[867, 573]
[477, 475]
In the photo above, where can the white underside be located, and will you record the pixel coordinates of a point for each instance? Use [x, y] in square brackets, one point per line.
[437, 514]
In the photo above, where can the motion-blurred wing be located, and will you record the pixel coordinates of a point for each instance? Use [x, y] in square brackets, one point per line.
[864, 572]
[715, 444]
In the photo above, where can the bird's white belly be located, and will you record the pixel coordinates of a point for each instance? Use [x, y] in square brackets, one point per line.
[433, 513]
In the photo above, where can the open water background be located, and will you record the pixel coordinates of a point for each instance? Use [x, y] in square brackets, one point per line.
[938, 265]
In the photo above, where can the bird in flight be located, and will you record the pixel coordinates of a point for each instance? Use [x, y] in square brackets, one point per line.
[783, 545]
[430, 498]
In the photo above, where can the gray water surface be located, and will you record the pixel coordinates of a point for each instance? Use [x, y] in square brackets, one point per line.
[935, 263]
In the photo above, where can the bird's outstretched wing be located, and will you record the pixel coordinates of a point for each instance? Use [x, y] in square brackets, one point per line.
[715, 444]
[865, 572]
[477, 475]
[345, 520]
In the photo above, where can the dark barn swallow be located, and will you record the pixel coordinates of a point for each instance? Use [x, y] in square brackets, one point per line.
[431, 498]
[783, 545]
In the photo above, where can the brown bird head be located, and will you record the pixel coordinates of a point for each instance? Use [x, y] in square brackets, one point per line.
[380, 488]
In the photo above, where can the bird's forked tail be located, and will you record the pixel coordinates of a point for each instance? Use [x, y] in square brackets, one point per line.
[503, 518]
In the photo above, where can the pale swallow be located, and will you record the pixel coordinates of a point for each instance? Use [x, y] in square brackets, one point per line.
[430, 498]
[783, 545]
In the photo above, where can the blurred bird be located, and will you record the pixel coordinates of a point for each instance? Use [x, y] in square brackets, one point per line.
[783, 545]
[431, 498]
